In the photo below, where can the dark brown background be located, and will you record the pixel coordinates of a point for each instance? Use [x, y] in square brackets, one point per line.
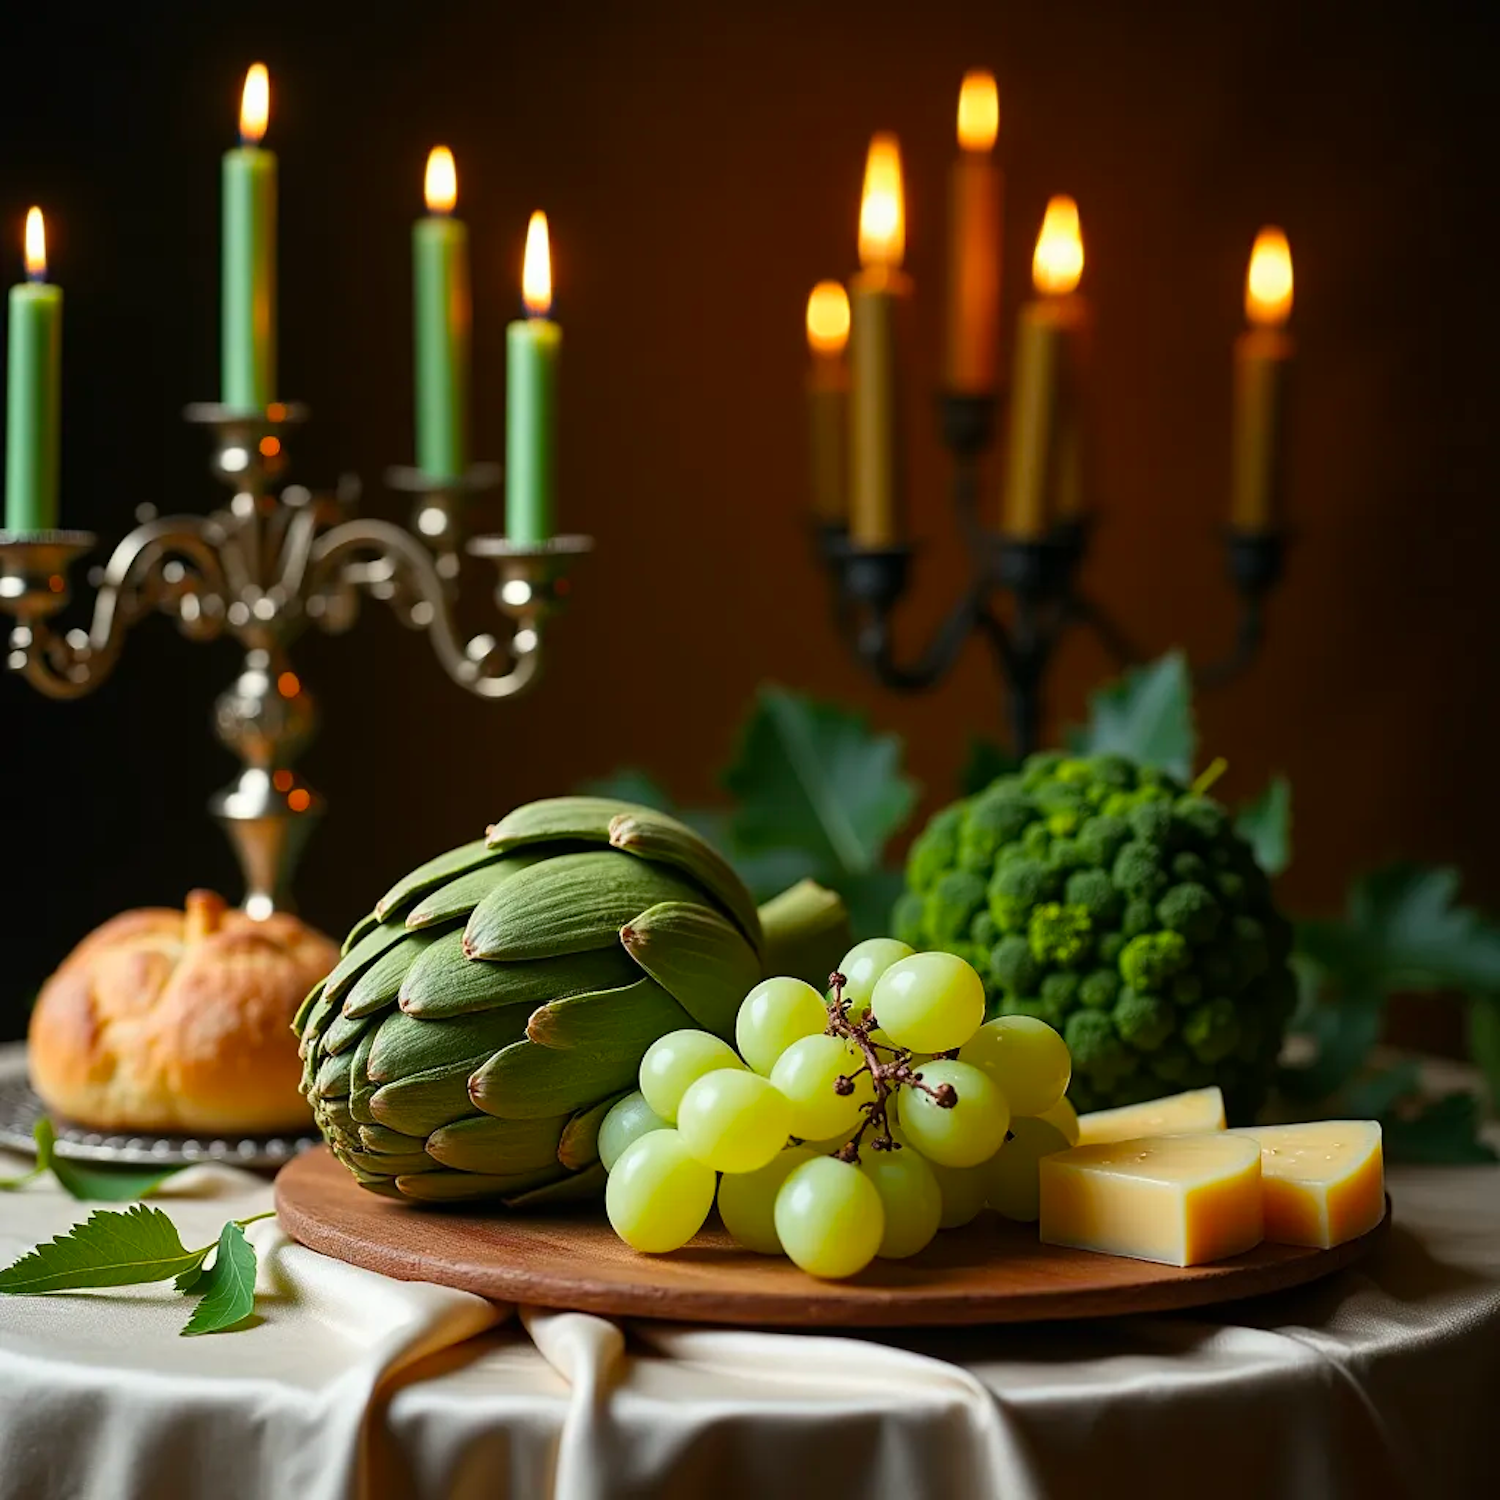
[701, 166]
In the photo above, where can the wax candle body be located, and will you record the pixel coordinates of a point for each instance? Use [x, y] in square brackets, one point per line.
[248, 301]
[1262, 363]
[532, 346]
[973, 343]
[828, 438]
[1044, 467]
[33, 406]
[876, 457]
[440, 267]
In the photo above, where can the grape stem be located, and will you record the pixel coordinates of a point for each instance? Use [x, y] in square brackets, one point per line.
[886, 1077]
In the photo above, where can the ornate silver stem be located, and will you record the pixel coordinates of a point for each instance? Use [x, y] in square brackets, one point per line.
[262, 570]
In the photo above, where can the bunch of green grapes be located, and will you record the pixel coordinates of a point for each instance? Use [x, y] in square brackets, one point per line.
[843, 1128]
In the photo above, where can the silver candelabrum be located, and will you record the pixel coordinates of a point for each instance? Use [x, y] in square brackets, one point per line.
[262, 570]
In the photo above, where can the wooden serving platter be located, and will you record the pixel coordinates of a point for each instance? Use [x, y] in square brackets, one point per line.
[992, 1271]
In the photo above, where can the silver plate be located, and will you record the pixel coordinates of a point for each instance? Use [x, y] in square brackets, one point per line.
[20, 1109]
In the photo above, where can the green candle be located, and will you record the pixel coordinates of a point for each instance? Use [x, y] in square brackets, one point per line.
[248, 305]
[532, 346]
[440, 267]
[33, 404]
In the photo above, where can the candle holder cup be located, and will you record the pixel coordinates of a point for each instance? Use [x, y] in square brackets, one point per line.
[261, 570]
[1021, 596]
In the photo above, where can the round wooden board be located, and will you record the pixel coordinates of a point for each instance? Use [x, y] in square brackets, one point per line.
[992, 1271]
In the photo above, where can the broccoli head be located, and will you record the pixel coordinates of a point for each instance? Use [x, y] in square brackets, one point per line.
[1105, 899]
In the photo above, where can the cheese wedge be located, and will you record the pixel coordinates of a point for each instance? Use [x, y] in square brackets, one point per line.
[1323, 1183]
[1178, 1199]
[1177, 1114]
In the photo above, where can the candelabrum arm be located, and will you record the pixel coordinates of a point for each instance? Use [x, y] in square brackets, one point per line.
[172, 565]
[389, 563]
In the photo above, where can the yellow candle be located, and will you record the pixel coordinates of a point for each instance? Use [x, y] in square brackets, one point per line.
[876, 295]
[975, 186]
[1043, 480]
[1262, 362]
[828, 402]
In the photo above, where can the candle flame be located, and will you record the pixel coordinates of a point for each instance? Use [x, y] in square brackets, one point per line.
[978, 111]
[441, 184]
[1057, 265]
[828, 319]
[536, 268]
[36, 245]
[1268, 284]
[882, 211]
[255, 104]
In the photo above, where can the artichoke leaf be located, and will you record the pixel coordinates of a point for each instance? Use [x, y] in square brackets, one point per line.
[655, 836]
[375, 942]
[435, 872]
[807, 932]
[334, 1117]
[299, 1021]
[378, 1164]
[388, 1142]
[381, 982]
[579, 1146]
[424, 1102]
[494, 1147]
[577, 1052]
[332, 1078]
[404, 1044]
[345, 1031]
[449, 1187]
[581, 1187]
[362, 1086]
[557, 820]
[570, 904]
[700, 958]
[361, 930]
[458, 897]
[444, 983]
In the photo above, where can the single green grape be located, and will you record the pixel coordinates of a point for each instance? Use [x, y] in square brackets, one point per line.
[1065, 1117]
[1027, 1060]
[930, 1002]
[733, 1120]
[910, 1196]
[776, 1013]
[628, 1120]
[678, 1059]
[968, 1132]
[658, 1194]
[1014, 1186]
[863, 964]
[747, 1200]
[806, 1073]
[829, 1217]
[963, 1190]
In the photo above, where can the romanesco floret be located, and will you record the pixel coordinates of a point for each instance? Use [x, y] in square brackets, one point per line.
[1059, 934]
[1107, 900]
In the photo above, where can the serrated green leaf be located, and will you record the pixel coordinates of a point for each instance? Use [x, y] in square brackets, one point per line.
[812, 776]
[107, 1249]
[93, 1184]
[1147, 715]
[227, 1287]
[188, 1279]
[1266, 825]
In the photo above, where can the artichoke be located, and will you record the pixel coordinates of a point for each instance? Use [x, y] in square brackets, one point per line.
[1122, 908]
[498, 1000]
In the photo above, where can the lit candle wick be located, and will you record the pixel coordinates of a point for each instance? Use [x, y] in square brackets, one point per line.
[36, 246]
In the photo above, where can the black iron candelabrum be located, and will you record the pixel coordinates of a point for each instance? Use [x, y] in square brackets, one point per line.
[1036, 575]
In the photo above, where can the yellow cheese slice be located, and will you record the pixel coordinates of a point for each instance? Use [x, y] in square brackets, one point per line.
[1177, 1114]
[1323, 1183]
[1179, 1199]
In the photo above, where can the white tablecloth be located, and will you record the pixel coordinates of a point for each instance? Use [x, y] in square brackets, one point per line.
[1383, 1381]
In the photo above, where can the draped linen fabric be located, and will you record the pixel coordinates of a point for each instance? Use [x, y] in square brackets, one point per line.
[1382, 1381]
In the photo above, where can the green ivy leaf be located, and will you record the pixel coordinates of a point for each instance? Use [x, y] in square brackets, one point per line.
[96, 1184]
[108, 1249]
[1445, 1133]
[1266, 825]
[1405, 932]
[1147, 715]
[1484, 1042]
[227, 1286]
[812, 776]
[985, 762]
